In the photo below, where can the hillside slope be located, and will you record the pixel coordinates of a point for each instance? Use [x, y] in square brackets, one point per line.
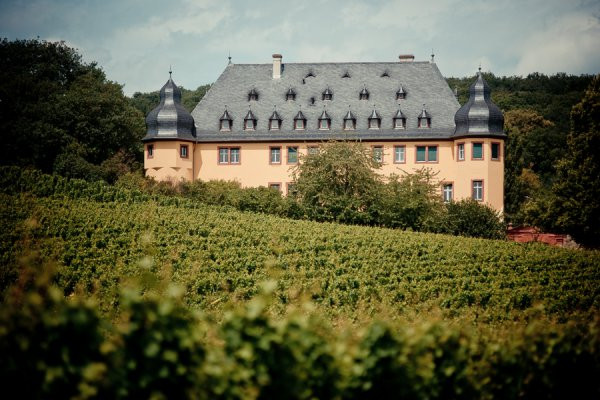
[219, 256]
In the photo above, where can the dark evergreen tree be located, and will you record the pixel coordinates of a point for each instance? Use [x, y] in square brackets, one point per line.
[576, 203]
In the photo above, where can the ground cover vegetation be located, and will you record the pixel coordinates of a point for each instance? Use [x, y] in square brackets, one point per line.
[156, 295]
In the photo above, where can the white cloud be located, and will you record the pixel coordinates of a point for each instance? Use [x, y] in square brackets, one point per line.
[571, 43]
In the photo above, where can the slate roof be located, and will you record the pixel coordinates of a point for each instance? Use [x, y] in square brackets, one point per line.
[170, 120]
[479, 116]
[422, 81]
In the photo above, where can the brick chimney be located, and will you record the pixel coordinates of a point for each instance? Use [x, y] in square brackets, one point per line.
[277, 66]
[406, 57]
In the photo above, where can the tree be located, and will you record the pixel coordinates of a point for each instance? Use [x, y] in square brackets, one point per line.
[339, 183]
[53, 102]
[531, 145]
[576, 203]
[468, 217]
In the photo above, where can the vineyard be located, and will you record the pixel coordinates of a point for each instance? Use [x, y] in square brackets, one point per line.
[455, 311]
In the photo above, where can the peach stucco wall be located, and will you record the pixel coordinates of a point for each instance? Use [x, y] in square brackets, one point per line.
[166, 163]
[255, 169]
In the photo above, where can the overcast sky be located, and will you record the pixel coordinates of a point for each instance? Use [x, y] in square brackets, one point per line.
[135, 41]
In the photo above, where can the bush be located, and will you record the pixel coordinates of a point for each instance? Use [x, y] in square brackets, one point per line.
[470, 218]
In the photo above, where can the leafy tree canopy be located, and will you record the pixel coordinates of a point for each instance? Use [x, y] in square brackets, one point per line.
[53, 102]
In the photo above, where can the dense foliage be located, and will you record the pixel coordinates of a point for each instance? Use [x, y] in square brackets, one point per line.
[61, 114]
[575, 203]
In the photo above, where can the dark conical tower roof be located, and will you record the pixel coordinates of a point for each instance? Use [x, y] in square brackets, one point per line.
[479, 116]
[170, 120]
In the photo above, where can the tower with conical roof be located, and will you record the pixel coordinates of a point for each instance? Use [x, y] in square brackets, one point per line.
[170, 137]
[479, 142]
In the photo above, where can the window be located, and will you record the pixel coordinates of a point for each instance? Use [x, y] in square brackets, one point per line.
[234, 155]
[150, 148]
[225, 125]
[461, 152]
[229, 155]
[477, 193]
[399, 154]
[275, 157]
[495, 151]
[183, 151]
[477, 151]
[291, 95]
[274, 124]
[424, 122]
[327, 95]
[276, 186]
[312, 150]
[426, 153]
[249, 124]
[349, 124]
[364, 94]
[324, 124]
[399, 123]
[400, 94]
[373, 123]
[447, 192]
[292, 155]
[252, 95]
[378, 153]
[299, 124]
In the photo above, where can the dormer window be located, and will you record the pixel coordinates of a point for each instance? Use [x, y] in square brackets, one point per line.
[299, 121]
[399, 120]
[274, 121]
[290, 95]
[253, 95]
[374, 120]
[424, 119]
[349, 121]
[250, 121]
[400, 94]
[385, 74]
[364, 94]
[346, 75]
[225, 121]
[327, 94]
[324, 121]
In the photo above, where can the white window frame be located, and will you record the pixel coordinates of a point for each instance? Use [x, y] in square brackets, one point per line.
[275, 155]
[447, 192]
[461, 152]
[399, 156]
[477, 189]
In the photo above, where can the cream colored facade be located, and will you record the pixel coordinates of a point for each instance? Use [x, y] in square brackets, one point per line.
[255, 168]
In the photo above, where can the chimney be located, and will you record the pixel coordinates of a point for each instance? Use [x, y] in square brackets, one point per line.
[406, 57]
[277, 66]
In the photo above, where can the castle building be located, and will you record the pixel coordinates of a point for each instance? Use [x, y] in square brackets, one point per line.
[257, 119]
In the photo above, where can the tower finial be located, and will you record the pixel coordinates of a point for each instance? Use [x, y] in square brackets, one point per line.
[229, 58]
[170, 71]
[432, 55]
[480, 67]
